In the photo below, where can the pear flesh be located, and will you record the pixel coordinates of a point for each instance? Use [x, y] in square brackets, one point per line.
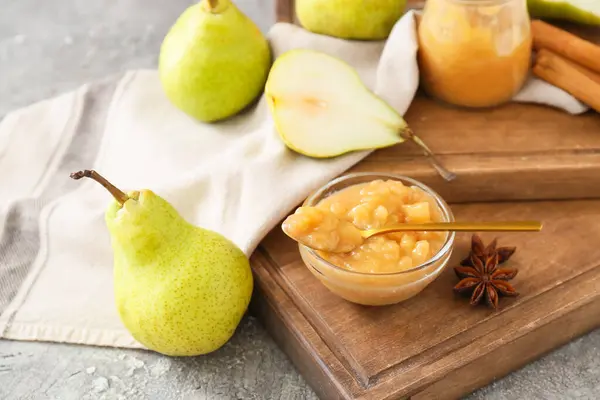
[350, 19]
[322, 109]
[214, 61]
[180, 290]
[579, 11]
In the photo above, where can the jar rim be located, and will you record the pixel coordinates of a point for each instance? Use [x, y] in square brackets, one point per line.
[444, 207]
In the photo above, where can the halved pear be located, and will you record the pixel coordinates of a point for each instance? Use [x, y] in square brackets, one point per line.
[580, 11]
[322, 109]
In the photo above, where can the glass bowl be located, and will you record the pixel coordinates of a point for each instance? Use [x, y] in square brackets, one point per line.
[377, 289]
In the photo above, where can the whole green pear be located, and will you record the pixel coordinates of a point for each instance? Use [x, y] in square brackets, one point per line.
[180, 290]
[350, 19]
[214, 61]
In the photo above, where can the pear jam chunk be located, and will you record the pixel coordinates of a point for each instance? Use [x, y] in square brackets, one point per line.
[321, 229]
[332, 226]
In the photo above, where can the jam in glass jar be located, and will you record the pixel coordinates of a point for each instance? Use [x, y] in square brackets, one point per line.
[474, 53]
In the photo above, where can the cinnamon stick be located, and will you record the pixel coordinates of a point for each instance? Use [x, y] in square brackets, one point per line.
[561, 42]
[587, 72]
[580, 82]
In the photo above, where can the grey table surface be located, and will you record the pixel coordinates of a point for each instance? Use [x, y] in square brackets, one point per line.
[48, 47]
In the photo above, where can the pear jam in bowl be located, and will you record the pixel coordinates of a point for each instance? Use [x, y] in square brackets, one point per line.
[383, 269]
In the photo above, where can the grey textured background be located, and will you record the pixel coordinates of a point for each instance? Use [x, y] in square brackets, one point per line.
[48, 47]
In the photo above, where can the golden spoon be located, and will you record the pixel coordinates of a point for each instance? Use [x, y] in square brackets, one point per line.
[351, 237]
[510, 226]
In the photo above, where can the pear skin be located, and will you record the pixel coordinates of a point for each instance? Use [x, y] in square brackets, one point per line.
[180, 290]
[214, 61]
[350, 19]
[578, 11]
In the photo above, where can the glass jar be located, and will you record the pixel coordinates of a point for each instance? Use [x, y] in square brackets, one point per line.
[474, 53]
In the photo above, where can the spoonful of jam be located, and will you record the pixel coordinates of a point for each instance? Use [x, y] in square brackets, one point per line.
[322, 230]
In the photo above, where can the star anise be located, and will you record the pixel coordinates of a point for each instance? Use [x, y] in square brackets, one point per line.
[479, 273]
[480, 250]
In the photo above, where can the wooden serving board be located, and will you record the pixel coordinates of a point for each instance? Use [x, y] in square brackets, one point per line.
[435, 345]
[514, 152]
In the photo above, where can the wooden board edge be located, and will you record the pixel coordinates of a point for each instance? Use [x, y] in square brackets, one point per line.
[531, 347]
[284, 11]
[267, 305]
[474, 187]
[497, 177]
[355, 371]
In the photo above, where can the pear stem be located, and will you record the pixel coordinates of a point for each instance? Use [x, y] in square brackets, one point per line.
[447, 175]
[212, 4]
[117, 193]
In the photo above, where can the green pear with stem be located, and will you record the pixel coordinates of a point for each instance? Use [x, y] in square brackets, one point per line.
[180, 290]
[321, 109]
[580, 11]
[214, 61]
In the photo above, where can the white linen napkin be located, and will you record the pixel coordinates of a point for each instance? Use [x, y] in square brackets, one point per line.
[235, 177]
